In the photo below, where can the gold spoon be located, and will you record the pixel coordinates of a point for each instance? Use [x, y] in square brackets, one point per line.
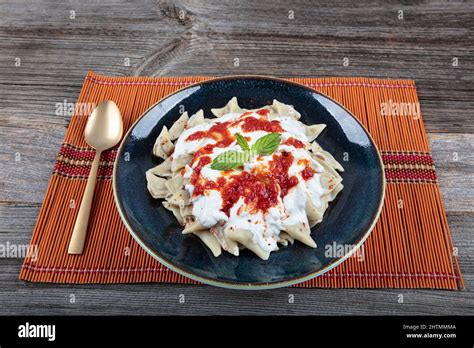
[104, 130]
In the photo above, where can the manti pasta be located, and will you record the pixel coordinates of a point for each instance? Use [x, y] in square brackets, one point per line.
[254, 179]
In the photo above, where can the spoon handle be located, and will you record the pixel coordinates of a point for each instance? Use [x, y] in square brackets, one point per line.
[79, 233]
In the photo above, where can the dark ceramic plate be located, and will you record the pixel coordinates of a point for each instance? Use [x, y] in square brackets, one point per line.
[347, 222]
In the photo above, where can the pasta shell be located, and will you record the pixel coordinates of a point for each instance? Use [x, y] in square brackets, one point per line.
[163, 147]
[329, 181]
[285, 238]
[231, 106]
[244, 237]
[156, 185]
[325, 156]
[196, 119]
[210, 241]
[301, 232]
[175, 210]
[193, 226]
[285, 110]
[178, 127]
[180, 162]
[314, 130]
[225, 242]
[179, 198]
[186, 211]
[330, 196]
[315, 214]
[164, 168]
[174, 184]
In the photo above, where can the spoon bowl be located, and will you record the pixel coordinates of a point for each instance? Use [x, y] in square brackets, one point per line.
[104, 126]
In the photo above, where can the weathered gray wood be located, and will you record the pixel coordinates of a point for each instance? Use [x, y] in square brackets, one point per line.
[56, 50]
[191, 37]
[454, 161]
[162, 299]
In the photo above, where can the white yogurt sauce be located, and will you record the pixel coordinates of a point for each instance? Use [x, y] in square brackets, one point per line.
[265, 226]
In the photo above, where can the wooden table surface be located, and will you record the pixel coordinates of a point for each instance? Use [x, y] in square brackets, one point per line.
[46, 48]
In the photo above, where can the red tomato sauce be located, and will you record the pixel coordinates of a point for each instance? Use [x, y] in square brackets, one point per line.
[307, 173]
[201, 187]
[260, 191]
[252, 124]
[279, 172]
[294, 142]
[263, 112]
[203, 161]
[196, 136]
[218, 132]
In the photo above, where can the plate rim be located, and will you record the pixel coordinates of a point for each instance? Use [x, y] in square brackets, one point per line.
[236, 285]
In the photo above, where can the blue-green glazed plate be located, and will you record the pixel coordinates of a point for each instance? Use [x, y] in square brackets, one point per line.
[346, 224]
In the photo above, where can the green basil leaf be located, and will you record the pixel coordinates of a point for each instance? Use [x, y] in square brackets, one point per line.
[242, 142]
[267, 144]
[233, 159]
[228, 160]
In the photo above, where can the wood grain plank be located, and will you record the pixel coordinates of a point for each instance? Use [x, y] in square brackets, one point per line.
[58, 51]
[453, 156]
[163, 298]
[203, 38]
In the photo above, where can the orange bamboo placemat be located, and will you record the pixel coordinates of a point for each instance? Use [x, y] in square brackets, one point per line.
[410, 247]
